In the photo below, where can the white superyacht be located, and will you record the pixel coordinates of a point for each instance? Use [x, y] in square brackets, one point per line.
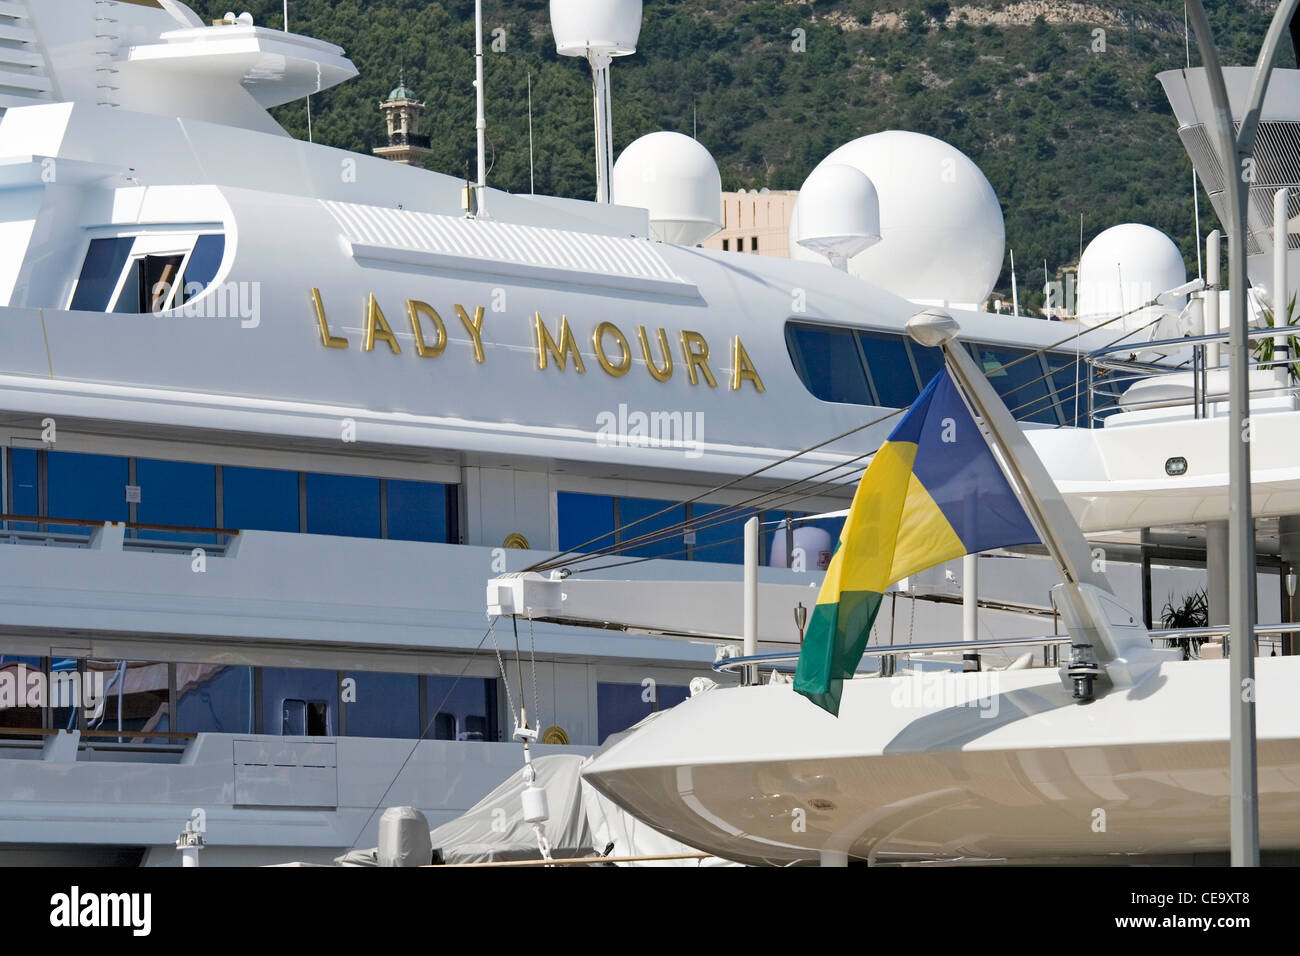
[272, 411]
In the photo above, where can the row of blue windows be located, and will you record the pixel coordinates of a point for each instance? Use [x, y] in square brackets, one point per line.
[212, 698]
[93, 488]
[858, 367]
[590, 523]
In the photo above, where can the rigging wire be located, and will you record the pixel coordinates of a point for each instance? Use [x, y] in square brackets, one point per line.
[723, 514]
[423, 733]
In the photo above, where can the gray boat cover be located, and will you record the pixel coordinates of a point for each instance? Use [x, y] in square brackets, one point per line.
[583, 823]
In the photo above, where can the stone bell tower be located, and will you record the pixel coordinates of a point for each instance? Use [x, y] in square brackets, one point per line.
[406, 144]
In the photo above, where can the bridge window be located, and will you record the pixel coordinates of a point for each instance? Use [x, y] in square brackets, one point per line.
[829, 363]
[299, 703]
[100, 273]
[464, 709]
[259, 499]
[89, 487]
[385, 705]
[619, 706]
[714, 532]
[214, 699]
[889, 370]
[343, 505]
[132, 275]
[1023, 386]
[176, 493]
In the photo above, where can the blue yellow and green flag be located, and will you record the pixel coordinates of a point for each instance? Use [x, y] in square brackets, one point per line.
[932, 493]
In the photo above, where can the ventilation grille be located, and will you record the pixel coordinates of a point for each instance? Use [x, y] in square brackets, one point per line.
[505, 243]
[1277, 164]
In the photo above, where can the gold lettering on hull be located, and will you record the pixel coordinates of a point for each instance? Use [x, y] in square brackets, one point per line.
[474, 327]
[617, 369]
[548, 348]
[607, 335]
[696, 352]
[377, 327]
[658, 373]
[415, 309]
[742, 368]
[328, 340]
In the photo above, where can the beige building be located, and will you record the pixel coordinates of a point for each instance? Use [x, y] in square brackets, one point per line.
[406, 144]
[755, 222]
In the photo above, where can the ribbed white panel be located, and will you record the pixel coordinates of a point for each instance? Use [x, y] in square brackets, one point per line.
[500, 242]
[24, 72]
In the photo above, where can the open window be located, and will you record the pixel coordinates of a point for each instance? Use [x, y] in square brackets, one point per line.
[136, 275]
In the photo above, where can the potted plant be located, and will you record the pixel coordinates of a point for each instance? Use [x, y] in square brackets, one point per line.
[1266, 350]
[1193, 611]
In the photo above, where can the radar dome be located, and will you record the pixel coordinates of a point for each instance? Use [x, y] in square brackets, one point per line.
[676, 179]
[841, 213]
[942, 238]
[600, 27]
[1124, 267]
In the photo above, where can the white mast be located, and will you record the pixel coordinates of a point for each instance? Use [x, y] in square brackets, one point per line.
[480, 189]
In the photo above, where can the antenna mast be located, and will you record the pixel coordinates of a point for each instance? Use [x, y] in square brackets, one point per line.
[598, 31]
[532, 179]
[480, 188]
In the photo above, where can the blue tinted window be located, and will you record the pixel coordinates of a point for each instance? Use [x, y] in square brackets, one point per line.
[632, 510]
[24, 496]
[203, 265]
[464, 709]
[828, 362]
[214, 699]
[1022, 386]
[1066, 371]
[176, 493]
[929, 362]
[90, 487]
[258, 499]
[582, 518]
[99, 274]
[891, 371]
[342, 505]
[619, 706]
[386, 705]
[417, 511]
[299, 703]
[724, 541]
[128, 300]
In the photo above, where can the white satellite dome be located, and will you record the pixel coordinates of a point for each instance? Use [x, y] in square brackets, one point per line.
[600, 27]
[942, 235]
[841, 213]
[676, 179]
[1124, 267]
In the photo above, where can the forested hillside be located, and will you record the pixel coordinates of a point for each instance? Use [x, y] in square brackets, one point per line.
[1065, 121]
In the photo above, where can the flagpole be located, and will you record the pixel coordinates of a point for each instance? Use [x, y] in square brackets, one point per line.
[751, 597]
[1234, 150]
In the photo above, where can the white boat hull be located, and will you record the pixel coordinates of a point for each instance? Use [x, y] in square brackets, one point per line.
[1003, 766]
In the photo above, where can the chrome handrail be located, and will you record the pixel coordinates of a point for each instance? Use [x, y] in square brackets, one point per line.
[1115, 373]
[728, 665]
